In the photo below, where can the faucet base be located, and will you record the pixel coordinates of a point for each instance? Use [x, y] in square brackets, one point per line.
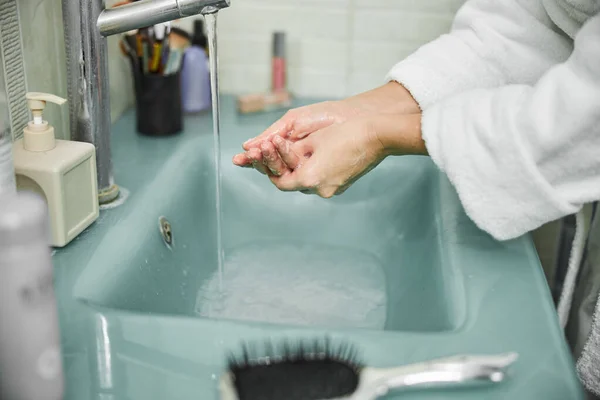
[109, 194]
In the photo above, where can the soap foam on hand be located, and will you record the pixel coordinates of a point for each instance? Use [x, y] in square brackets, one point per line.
[298, 285]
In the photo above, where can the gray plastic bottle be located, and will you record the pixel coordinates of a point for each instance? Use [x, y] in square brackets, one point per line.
[195, 74]
[30, 357]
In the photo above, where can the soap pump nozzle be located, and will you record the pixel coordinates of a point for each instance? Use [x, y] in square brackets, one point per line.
[38, 135]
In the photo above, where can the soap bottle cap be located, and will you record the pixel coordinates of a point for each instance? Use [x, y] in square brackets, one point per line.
[38, 135]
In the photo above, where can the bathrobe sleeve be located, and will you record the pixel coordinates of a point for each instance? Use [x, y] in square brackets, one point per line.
[491, 43]
[521, 154]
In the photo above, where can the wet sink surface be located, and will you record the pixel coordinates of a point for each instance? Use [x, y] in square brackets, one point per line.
[394, 265]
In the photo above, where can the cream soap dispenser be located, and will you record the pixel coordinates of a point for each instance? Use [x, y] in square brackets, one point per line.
[61, 171]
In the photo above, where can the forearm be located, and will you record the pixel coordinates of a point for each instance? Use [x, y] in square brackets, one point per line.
[398, 134]
[389, 98]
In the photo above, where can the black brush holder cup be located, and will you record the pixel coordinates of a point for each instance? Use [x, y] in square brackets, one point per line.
[158, 105]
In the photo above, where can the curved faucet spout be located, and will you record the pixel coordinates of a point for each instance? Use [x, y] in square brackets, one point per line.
[145, 13]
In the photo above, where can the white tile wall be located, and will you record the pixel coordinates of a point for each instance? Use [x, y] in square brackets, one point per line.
[335, 48]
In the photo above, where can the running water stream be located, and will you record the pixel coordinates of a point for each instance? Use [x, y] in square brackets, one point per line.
[211, 25]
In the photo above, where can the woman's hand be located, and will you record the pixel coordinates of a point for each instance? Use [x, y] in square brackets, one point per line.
[296, 124]
[303, 121]
[329, 161]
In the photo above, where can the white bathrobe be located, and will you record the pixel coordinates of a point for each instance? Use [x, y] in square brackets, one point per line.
[511, 109]
[511, 113]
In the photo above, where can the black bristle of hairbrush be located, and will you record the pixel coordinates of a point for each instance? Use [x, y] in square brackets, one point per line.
[309, 370]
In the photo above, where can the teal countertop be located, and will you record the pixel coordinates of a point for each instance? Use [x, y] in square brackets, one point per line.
[117, 344]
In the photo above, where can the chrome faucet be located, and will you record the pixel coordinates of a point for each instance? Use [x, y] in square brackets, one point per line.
[86, 25]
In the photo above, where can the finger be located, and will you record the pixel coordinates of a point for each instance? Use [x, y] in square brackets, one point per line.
[256, 156]
[288, 182]
[242, 160]
[272, 160]
[298, 123]
[284, 148]
[279, 128]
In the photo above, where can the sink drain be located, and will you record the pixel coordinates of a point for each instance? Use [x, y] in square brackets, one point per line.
[165, 230]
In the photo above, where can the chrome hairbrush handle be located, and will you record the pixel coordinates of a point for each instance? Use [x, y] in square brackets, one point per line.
[462, 370]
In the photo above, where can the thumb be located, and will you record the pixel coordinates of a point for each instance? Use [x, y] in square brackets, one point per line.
[289, 182]
[310, 122]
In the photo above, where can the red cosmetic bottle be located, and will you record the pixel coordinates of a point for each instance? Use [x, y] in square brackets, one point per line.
[279, 64]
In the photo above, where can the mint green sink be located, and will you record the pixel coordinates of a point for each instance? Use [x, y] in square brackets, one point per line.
[394, 266]
[396, 234]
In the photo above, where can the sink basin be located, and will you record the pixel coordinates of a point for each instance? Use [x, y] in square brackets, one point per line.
[394, 266]
[372, 258]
